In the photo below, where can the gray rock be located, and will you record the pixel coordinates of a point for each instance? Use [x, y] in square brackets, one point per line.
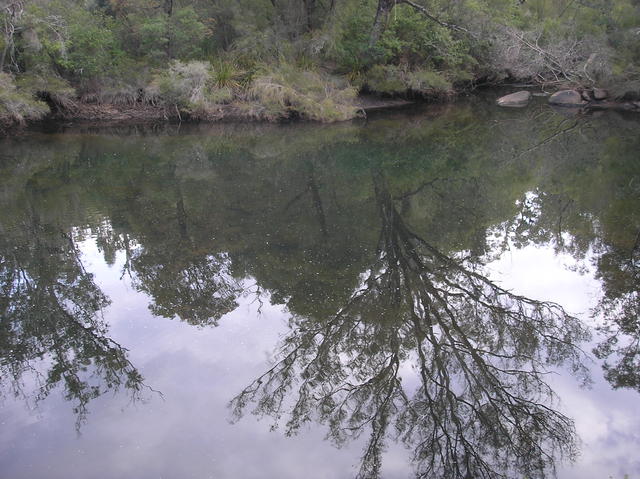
[585, 95]
[567, 98]
[600, 94]
[520, 98]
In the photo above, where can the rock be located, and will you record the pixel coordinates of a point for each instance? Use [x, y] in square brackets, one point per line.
[585, 95]
[567, 98]
[520, 98]
[600, 94]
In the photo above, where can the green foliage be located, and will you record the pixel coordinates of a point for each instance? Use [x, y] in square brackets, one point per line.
[160, 37]
[93, 49]
[190, 87]
[425, 81]
[186, 34]
[393, 80]
[351, 49]
[17, 106]
[79, 43]
[227, 74]
[57, 90]
[111, 49]
[414, 40]
[386, 79]
[153, 37]
[184, 84]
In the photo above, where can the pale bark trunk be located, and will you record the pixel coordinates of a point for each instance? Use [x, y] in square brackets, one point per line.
[380, 23]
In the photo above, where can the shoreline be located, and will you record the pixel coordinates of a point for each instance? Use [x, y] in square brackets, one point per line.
[108, 114]
[111, 115]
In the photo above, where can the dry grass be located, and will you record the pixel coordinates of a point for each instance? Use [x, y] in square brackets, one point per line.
[287, 91]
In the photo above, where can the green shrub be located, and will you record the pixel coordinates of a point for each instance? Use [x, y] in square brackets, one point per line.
[226, 74]
[186, 34]
[425, 81]
[351, 50]
[80, 43]
[394, 80]
[190, 87]
[184, 84]
[387, 79]
[37, 83]
[285, 91]
[153, 37]
[17, 106]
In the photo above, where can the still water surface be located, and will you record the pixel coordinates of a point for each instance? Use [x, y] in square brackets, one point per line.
[450, 292]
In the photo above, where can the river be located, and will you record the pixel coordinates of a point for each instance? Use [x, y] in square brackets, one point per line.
[448, 291]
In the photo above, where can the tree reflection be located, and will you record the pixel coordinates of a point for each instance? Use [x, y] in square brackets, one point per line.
[482, 407]
[620, 272]
[51, 329]
[198, 289]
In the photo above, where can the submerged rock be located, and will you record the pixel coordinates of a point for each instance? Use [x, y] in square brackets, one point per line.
[517, 99]
[567, 98]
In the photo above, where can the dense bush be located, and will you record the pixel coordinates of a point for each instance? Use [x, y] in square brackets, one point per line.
[286, 90]
[277, 58]
[188, 87]
[394, 80]
[17, 106]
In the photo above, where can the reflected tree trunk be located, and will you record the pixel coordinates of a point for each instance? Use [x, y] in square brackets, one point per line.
[482, 409]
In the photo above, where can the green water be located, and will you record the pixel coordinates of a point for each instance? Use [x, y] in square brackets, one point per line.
[449, 291]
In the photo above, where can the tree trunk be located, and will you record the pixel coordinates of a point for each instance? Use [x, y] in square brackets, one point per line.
[12, 13]
[380, 23]
[309, 8]
[168, 7]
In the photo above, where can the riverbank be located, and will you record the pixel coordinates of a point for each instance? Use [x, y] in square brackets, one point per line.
[140, 113]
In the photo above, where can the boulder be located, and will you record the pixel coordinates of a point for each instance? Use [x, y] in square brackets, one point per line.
[567, 98]
[600, 94]
[520, 98]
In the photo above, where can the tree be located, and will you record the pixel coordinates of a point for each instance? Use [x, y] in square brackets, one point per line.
[11, 12]
[384, 10]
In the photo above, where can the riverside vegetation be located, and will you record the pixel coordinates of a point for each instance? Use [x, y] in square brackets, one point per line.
[277, 59]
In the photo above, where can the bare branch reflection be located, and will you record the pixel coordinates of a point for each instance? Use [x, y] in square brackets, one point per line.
[51, 326]
[482, 407]
[620, 272]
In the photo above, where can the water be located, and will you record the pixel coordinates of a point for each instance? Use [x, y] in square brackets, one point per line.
[450, 291]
